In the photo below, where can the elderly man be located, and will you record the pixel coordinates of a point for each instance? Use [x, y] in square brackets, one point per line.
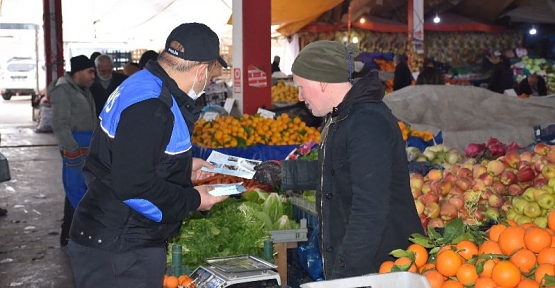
[73, 120]
[140, 170]
[364, 203]
[106, 81]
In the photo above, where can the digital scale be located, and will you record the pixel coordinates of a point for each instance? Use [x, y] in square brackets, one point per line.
[243, 271]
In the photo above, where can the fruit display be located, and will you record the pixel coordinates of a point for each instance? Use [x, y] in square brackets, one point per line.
[408, 131]
[282, 92]
[540, 66]
[506, 255]
[492, 149]
[183, 281]
[438, 154]
[248, 130]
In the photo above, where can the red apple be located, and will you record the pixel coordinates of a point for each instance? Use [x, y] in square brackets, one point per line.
[508, 177]
[456, 191]
[541, 149]
[470, 221]
[416, 180]
[463, 183]
[448, 211]
[424, 220]
[486, 193]
[456, 201]
[539, 164]
[435, 174]
[478, 185]
[455, 169]
[495, 201]
[416, 193]
[429, 198]
[551, 155]
[436, 223]
[526, 156]
[525, 174]
[478, 170]
[498, 187]
[512, 159]
[539, 181]
[449, 177]
[464, 172]
[419, 206]
[444, 187]
[426, 187]
[515, 190]
[478, 215]
[495, 167]
[434, 185]
[548, 170]
[523, 164]
[487, 178]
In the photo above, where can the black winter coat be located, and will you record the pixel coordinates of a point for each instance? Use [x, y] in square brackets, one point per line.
[364, 202]
[101, 94]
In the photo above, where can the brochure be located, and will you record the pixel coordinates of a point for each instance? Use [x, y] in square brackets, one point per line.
[227, 189]
[231, 165]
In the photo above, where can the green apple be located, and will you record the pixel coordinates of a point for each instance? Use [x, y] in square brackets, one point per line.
[532, 210]
[492, 214]
[545, 212]
[523, 219]
[548, 189]
[511, 215]
[551, 182]
[539, 192]
[546, 200]
[529, 194]
[518, 204]
[541, 221]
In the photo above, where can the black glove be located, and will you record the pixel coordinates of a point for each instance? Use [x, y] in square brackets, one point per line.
[268, 173]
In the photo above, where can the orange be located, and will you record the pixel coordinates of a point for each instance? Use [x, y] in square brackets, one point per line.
[447, 263]
[495, 231]
[528, 225]
[467, 249]
[552, 240]
[164, 280]
[506, 274]
[172, 282]
[435, 279]
[524, 259]
[186, 281]
[535, 239]
[451, 284]
[547, 255]
[489, 247]
[551, 220]
[542, 270]
[404, 261]
[488, 266]
[466, 274]
[512, 223]
[421, 254]
[511, 239]
[386, 267]
[527, 283]
[426, 267]
[484, 282]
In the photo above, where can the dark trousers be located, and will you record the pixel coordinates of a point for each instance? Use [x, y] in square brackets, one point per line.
[137, 268]
[66, 222]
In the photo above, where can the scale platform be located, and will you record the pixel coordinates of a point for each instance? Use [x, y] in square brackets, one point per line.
[242, 271]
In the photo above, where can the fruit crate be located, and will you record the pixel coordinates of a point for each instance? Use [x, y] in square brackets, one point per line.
[389, 280]
[292, 235]
[303, 209]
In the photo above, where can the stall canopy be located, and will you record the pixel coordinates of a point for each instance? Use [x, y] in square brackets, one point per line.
[536, 11]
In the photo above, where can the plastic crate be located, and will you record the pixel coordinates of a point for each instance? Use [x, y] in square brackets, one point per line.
[301, 203]
[389, 280]
[293, 235]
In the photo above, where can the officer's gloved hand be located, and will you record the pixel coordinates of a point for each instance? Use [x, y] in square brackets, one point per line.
[268, 173]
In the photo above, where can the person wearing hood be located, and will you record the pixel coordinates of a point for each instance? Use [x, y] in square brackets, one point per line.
[364, 202]
[73, 120]
[430, 75]
[140, 170]
[106, 81]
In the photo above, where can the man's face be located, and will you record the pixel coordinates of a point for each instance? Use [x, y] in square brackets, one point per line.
[85, 78]
[104, 70]
[310, 92]
[533, 81]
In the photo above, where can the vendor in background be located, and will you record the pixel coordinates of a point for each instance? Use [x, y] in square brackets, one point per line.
[532, 85]
[430, 75]
[402, 76]
[106, 81]
[275, 64]
[364, 203]
[502, 74]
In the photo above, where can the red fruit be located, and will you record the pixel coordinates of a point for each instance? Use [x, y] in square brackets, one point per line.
[456, 191]
[498, 187]
[431, 210]
[508, 177]
[424, 220]
[526, 156]
[525, 174]
[495, 167]
[449, 177]
[463, 183]
[487, 178]
[416, 180]
[497, 150]
[456, 201]
[513, 147]
[444, 187]
[479, 215]
[478, 185]
[429, 198]
[496, 201]
[448, 211]
[492, 141]
[515, 190]
[464, 172]
[541, 149]
[436, 223]
[512, 159]
[551, 155]
[473, 149]
[539, 181]
[478, 170]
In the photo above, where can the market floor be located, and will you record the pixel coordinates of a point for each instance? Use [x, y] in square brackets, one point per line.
[30, 255]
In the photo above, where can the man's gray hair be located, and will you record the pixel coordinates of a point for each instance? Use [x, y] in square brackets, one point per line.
[103, 57]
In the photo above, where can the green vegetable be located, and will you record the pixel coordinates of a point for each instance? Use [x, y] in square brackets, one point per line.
[309, 196]
[282, 223]
[273, 206]
[256, 195]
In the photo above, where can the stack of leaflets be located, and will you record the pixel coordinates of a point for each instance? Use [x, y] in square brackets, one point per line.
[230, 165]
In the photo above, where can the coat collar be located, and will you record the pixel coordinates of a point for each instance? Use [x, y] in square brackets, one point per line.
[368, 89]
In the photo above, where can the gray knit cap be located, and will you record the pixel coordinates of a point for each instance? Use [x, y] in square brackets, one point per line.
[326, 61]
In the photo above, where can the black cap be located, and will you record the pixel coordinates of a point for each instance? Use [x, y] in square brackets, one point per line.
[200, 42]
[80, 62]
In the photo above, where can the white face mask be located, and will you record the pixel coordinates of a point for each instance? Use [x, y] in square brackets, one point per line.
[192, 92]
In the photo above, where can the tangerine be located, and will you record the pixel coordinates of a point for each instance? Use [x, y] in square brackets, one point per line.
[524, 259]
[447, 263]
[467, 249]
[551, 220]
[404, 261]
[528, 283]
[420, 254]
[511, 240]
[451, 284]
[547, 255]
[506, 274]
[488, 266]
[426, 267]
[386, 267]
[495, 231]
[435, 279]
[535, 239]
[489, 247]
[466, 274]
[484, 282]
[542, 270]
[172, 282]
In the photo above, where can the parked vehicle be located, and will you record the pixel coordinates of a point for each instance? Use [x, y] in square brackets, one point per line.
[19, 77]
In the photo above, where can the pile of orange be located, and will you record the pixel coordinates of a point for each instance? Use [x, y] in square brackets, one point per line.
[248, 130]
[182, 281]
[407, 131]
[511, 256]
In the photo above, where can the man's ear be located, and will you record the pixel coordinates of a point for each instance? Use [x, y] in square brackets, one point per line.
[323, 86]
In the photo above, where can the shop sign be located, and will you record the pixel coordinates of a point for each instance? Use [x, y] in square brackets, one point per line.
[236, 80]
[256, 77]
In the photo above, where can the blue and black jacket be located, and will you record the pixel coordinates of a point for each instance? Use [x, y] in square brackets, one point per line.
[138, 171]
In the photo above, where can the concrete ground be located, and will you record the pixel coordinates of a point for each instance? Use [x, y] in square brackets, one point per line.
[30, 255]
